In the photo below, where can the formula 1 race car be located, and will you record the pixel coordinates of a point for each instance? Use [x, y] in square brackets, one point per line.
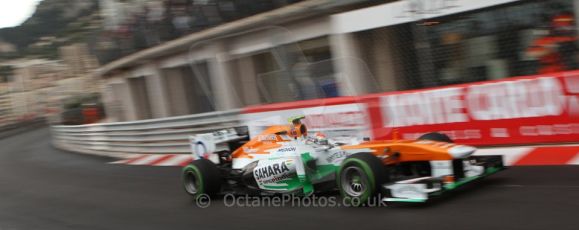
[284, 159]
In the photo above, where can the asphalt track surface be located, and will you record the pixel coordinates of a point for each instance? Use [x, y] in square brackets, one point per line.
[45, 188]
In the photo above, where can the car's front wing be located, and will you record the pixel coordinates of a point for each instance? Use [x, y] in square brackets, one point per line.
[423, 188]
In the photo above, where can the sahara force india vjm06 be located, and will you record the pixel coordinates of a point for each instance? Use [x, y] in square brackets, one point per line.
[284, 159]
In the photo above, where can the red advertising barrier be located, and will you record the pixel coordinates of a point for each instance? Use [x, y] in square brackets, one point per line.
[520, 110]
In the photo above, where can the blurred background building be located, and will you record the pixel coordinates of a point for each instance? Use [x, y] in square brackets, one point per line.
[46, 88]
[6, 114]
[46, 63]
[299, 50]
[78, 58]
[159, 58]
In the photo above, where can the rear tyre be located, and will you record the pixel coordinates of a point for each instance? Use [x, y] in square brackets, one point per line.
[360, 177]
[201, 177]
[434, 136]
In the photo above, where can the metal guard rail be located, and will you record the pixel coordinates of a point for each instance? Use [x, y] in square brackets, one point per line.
[158, 136]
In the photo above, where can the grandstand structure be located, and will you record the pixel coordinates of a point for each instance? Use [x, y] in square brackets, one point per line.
[322, 48]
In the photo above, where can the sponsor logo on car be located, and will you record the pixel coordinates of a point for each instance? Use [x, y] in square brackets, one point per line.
[270, 170]
[287, 149]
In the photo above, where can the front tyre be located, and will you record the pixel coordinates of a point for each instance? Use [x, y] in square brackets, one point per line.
[360, 177]
[201, 177]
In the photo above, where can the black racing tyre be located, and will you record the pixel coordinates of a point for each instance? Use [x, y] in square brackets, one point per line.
[434, 136]
[360, 177]
[201, 177]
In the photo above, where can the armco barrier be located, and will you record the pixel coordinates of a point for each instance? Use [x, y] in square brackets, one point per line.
[22, 126]
[542, 109]
[160, 136]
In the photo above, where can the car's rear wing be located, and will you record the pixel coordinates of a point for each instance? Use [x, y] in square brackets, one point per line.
[204, 145]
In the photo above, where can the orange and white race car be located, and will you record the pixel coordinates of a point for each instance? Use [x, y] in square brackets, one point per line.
[285, 159]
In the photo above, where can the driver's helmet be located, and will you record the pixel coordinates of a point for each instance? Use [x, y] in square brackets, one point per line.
[320, 138]
[297, 128]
